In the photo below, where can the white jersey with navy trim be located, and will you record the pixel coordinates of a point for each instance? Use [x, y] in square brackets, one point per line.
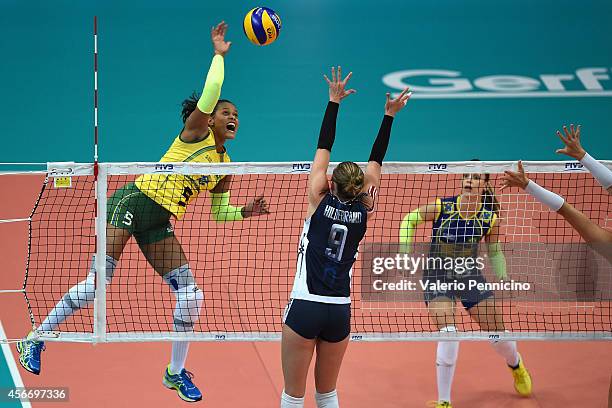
[328, 248]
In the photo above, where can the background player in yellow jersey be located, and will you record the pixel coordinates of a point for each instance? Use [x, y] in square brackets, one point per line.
[459, 224]
[143, 210]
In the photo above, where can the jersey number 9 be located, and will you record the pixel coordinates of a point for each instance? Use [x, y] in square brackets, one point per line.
[336, 241]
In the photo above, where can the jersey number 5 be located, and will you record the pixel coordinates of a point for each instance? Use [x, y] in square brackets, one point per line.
[127, 218]
[336, 241]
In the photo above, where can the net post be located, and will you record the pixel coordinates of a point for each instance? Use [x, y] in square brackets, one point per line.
[99, 334]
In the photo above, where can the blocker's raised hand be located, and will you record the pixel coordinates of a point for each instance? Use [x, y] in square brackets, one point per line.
[337, 85]
[392, 106]
[571, 140]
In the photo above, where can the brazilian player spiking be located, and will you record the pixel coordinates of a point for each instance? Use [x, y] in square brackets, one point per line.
[144, 210]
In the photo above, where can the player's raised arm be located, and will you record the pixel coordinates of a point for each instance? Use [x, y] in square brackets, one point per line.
[379, 148]
[573, 148]
[317, 181]
[197, 124]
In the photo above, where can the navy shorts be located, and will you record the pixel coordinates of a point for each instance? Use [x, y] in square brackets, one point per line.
[327, 321]
[469, 297]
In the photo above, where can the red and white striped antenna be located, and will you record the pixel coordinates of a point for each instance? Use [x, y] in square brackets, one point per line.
[99, 327]
[95, 168]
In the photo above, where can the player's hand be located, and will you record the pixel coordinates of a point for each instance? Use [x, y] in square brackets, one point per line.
[392, 106]
[571, 140]
[217, 34]
[515, 179]
[337, 85]
[257, 206]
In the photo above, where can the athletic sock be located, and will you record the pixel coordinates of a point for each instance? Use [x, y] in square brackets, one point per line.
[507, 349]
[287, 401]
[327, 400]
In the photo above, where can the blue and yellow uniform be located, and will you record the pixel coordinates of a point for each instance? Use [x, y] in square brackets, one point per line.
[455, 237]
[145, 206]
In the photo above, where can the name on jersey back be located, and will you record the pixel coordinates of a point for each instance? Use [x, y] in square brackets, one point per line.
[352, 217]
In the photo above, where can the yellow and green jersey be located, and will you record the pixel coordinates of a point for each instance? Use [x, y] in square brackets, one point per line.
[175, 191]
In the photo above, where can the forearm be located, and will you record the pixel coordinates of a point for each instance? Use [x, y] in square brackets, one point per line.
[212, 86]
[548, 198]
[327, 134]
[601, 173]
[588, 230]
[221, 209]
[408, 229]
[498, 260]
[379, 148]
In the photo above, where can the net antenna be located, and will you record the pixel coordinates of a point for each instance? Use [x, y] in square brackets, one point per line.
[99, 329]
[95, 50]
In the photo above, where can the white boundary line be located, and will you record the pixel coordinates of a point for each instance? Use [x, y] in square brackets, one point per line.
[14, 220]
[12, 366]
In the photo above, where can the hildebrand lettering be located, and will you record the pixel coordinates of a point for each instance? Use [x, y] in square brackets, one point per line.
[352, 217]
[445, 84]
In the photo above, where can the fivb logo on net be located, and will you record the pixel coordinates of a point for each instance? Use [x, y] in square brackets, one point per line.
[447, 84]
[574, 166]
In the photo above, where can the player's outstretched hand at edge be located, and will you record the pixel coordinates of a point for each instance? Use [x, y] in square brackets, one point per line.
[571, 139]
[515, 179]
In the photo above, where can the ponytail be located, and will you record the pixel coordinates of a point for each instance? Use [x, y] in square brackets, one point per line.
[489, 200]
[349, 179]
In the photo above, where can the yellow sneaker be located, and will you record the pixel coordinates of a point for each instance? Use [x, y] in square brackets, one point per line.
[439, 404]
[522, 379]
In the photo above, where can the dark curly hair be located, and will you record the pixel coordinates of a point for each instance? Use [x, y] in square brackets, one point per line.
[190, 104]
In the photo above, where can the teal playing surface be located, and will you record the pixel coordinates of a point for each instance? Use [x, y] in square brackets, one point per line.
[6, 381]
[554, 54]
[6, 378]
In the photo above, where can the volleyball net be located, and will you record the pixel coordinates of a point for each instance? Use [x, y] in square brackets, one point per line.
[556, 287]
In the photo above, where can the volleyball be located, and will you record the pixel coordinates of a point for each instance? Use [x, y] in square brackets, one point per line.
[262, 25]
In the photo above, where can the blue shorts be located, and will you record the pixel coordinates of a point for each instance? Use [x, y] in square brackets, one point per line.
[469, 297]
[327, 321]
